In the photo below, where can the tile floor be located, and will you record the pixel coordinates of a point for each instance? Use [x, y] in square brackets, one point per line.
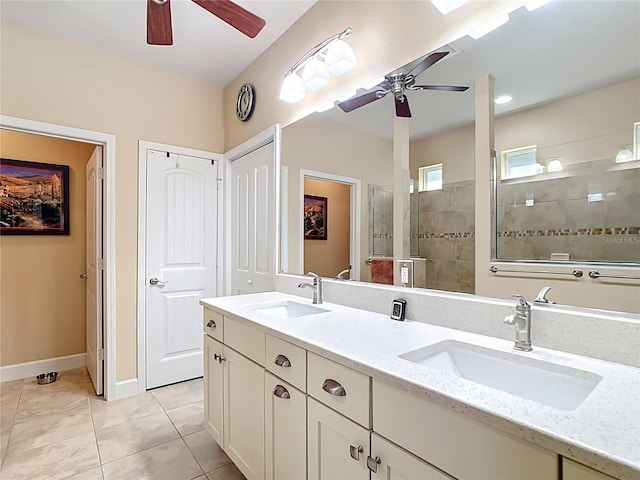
[64, 431]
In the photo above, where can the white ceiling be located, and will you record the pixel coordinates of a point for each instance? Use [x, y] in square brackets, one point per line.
[204, 46]
[564, 48]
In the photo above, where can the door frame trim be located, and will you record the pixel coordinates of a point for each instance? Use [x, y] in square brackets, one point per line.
[108, 143]
[143, 146]
[355, 192]
[271, 134]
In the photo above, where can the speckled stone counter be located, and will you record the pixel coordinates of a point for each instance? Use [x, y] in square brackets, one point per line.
[603, 432]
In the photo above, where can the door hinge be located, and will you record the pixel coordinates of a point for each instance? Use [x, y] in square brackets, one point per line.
[100, 354]
[218, 183]
[100, 173]
[100, 264]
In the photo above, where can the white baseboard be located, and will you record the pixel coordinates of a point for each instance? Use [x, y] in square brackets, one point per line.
[31, 369]
[125, 389]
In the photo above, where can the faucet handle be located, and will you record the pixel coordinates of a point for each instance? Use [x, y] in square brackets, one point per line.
[521, 300]
[315, 275]
[542, 296]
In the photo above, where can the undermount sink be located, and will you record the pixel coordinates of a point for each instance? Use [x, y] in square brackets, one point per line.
[544, 382]
[288, 309]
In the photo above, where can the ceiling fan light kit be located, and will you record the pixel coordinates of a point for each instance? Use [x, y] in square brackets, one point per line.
[333, 56]
[160, 30]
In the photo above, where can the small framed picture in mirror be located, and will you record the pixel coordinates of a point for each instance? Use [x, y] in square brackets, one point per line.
[315, 217]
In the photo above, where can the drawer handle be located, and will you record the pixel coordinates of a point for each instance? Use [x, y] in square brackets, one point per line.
[219, 358]
[282, 361]
[334, 388]
[372, 464]
[211, 324]
[281, 392]
[355, 452]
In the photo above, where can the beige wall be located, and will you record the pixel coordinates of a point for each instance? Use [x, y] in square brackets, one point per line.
[386, 35]
[42, 313]
[329, 257]
[51, 79]
[316, 144]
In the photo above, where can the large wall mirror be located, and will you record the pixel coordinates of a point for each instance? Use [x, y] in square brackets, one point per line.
[572, 69]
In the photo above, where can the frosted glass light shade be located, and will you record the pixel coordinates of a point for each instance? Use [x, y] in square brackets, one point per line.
[554, 166]
[314, 75]
[292, 89]
[340, 58]
[624, 155]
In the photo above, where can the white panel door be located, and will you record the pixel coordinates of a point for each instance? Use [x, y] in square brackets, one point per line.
[253, 222]
[94, 271]
[181, 245]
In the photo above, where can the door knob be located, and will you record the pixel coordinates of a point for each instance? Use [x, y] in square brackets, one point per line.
[84, 276]
[154, 281]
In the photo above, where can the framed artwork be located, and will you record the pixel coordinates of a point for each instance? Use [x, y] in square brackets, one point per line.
[34, 198]
[315, 217]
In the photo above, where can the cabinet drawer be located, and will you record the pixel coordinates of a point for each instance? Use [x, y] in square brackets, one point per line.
[460, 446]
[287, 361]
[576, 471]
[213, 324]
[351, 389]
[244, 338]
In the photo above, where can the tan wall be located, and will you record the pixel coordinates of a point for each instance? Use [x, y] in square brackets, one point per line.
[329, 257]
[51, 79]
[386, 35]
[322, 146]
[42, 313]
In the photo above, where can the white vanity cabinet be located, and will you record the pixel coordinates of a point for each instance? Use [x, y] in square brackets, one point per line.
[458, 445]
[285, 430]
[234, 393]
[575, 471]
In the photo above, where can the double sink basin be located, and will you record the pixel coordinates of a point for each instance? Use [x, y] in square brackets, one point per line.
[551, 384]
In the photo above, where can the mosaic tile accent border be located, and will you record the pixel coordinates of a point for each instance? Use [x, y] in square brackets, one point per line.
[383, 235]
[562, 232]
[444, 235]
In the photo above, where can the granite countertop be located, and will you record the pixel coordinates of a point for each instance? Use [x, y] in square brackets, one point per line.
[603, 432]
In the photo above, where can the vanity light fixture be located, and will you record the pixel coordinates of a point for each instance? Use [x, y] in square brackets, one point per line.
[535, 4]
[554, 165]
[333, 56]
[624, 155]
[502, 99]
[489, 27]
[446, 6]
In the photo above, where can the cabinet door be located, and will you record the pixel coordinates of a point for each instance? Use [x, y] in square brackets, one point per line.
[285, 430]
[244, 414]
[213, 389]
[338, 447]
[576, 471]
[398, 464]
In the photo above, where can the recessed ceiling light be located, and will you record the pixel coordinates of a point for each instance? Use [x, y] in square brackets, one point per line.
[502, 99]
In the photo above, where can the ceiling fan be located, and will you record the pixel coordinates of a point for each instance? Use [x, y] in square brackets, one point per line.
[159, 31]
[398, 83]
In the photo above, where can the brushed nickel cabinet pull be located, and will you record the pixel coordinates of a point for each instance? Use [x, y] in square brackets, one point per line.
[211, 324]
[334, 388]
[372, 464]
[282, 361]
[281, 392]
[355, 452]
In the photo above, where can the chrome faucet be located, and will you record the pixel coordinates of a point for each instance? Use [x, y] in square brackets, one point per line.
[339, 276]
[542, 296]
[316, 285]
[522, 322]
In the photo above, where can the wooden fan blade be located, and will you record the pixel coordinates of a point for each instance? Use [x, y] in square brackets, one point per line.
[446, 88]
[426, 63]
[402, 107]
[361, 101]
[159, 30]
[236, 16]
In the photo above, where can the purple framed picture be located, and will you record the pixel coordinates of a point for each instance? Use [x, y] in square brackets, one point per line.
[315, 217]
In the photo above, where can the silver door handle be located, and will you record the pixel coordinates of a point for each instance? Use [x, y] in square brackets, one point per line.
[334, 388]
[154, 281]
[211, 324]
[84, 276]
[281, 392]
[282, 361]
[355, 452]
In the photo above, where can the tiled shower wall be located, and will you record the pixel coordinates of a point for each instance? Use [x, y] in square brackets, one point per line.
[445, 235]
[561, 219]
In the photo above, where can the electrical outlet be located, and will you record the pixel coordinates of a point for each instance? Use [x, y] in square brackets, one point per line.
[404, 274]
